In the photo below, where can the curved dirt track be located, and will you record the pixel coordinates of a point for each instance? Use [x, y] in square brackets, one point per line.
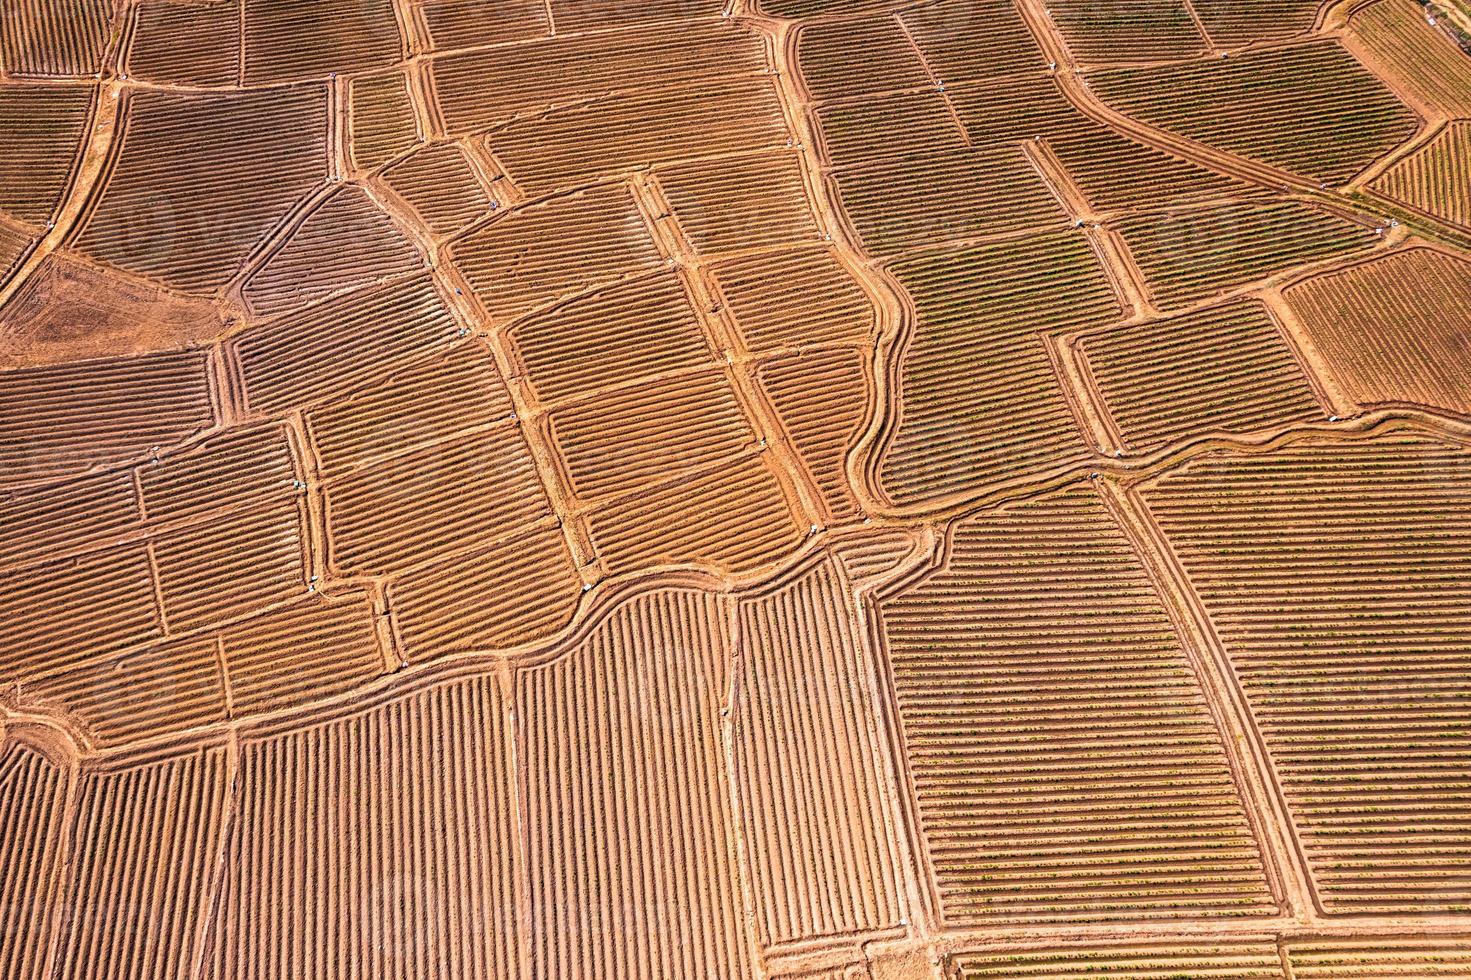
[775, 488]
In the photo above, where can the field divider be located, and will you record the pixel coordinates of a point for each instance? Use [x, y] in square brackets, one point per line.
[1075, 376]
[1310, 360]
[1266, 810]
[724, 339]
[94, 160]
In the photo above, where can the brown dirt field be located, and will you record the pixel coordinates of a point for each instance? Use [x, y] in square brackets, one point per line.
[687, 489]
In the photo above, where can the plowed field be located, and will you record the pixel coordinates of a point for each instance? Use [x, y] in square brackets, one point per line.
[735, 489]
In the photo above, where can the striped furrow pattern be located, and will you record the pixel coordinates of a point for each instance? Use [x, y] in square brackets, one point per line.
[1336, 576]
[304, 651]
[1244, 960]
[623, 440]
[630, 131]
[807, 766]
[586, 15]
[1437, 179]
[480, 89]
[897, 204]
[905, 167]
[121, 698]
[874, 553]
[1127, 30]
[1016, 107]
[288, 41]
[327, 350]
[346, 243]
[41, 128]
[734, 516]
[809, 8]
[382, 116]
[62, 612]
[54, 37]
[236, 468]
[1310, 109]
[1225, 369]
[980, 400]
[440, 185]
[1416, 54]
[232, 565]
[143, 856]
[221, 524]
[1380, 959]
[15, 244]
[747, 202]
[972, 40]
[376, 845]
[822, 399]
[1231, 23]
[799, 298]
[1063, 757]
[832, 68]
[425, 503]
[1188, 256]
[514, 591]
[531, 256]
[463, 23]
[635, 329]
[432, 400]
[200, 180]
[1116, 174]
[1394, 330]
[185, 44]
[311, 649]
[32, 797]
[68, 417]
[628, 822]
[37, 522]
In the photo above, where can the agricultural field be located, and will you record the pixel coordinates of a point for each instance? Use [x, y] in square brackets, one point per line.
[735, 489]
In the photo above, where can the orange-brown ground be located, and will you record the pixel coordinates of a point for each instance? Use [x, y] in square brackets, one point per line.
[833, 489]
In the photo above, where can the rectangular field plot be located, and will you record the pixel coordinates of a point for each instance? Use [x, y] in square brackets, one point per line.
[68, 417]
[1394, 330]
[981, 402]
[1188, 256]
[1310, 109]
[532, 256]
[1222, 370]
[620, 742]
[1337, 577]
[1185, 959]
[821, 863]
[1127, 30]
[1063, 757]
[630, 131]
[393, 822]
